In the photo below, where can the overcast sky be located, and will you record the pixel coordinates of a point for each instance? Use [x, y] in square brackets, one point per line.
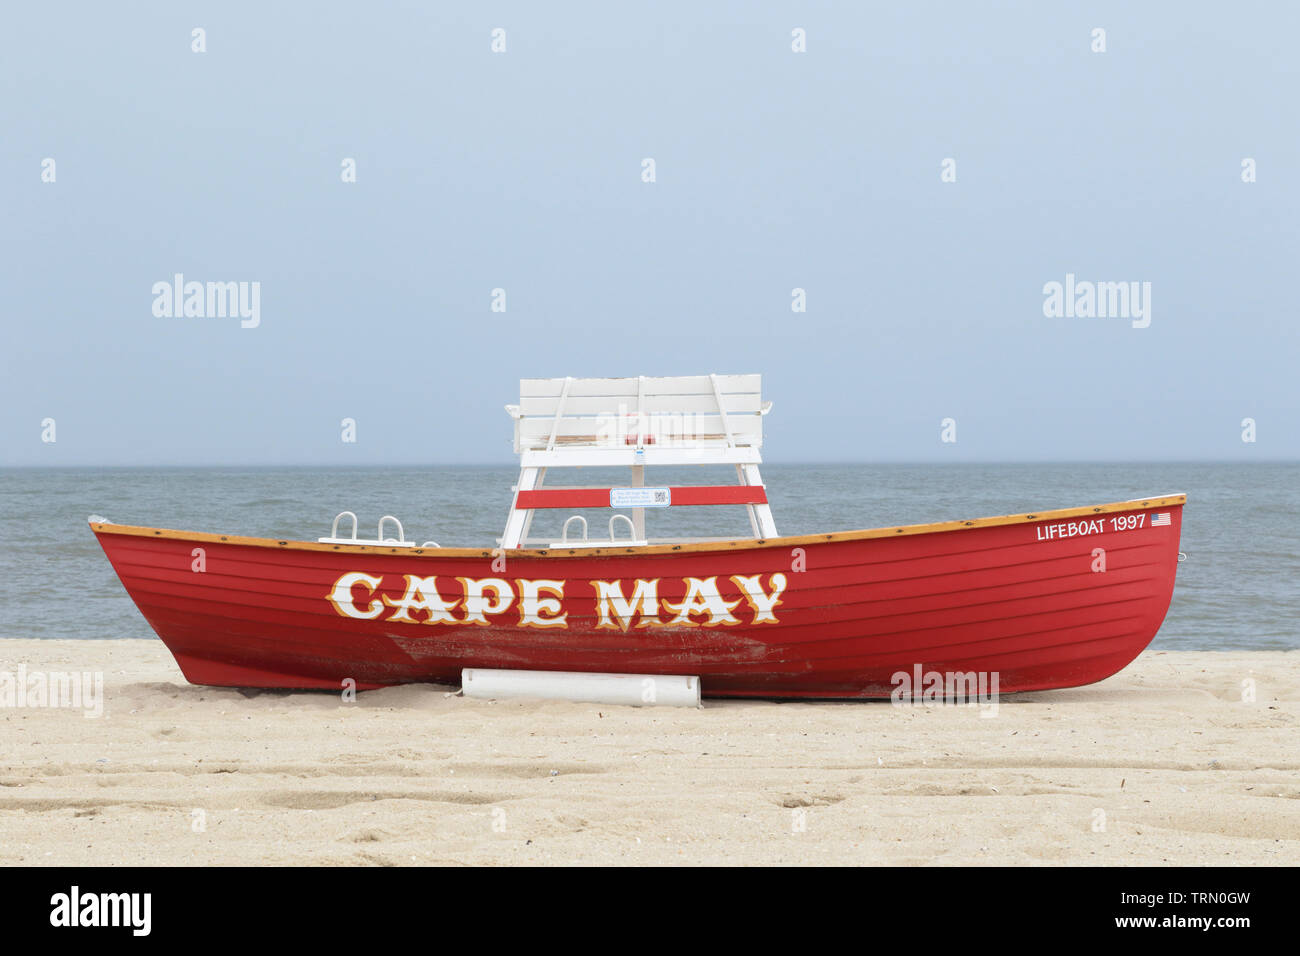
[523, 170]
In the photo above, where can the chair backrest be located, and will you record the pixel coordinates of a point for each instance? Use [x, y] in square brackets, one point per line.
[685, 411]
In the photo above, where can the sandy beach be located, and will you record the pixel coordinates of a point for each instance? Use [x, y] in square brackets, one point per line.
[1165, 763]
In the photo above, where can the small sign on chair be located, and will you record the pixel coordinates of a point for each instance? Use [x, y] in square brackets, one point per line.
[640, 497]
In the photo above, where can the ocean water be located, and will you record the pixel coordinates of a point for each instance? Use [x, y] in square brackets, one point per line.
[1238, 589]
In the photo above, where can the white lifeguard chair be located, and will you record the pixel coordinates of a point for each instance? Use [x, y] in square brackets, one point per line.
[637, 422]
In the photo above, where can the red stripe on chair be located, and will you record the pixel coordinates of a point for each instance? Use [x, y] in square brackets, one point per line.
[599, 497]
[719, 495]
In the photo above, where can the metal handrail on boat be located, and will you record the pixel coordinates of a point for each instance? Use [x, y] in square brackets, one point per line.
[400, 541]
[631, 529]
[586, 542]
[564, 535]
[334, 528]
[401, 535]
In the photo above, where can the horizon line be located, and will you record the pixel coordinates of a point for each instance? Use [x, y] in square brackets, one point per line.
[767, 464]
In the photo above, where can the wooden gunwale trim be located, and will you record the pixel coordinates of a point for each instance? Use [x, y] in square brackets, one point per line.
[742, 544]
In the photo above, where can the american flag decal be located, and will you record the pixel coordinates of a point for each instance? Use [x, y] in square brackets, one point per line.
[1160, 519]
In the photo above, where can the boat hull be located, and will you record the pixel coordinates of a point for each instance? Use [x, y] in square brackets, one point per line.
[1058, 599]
